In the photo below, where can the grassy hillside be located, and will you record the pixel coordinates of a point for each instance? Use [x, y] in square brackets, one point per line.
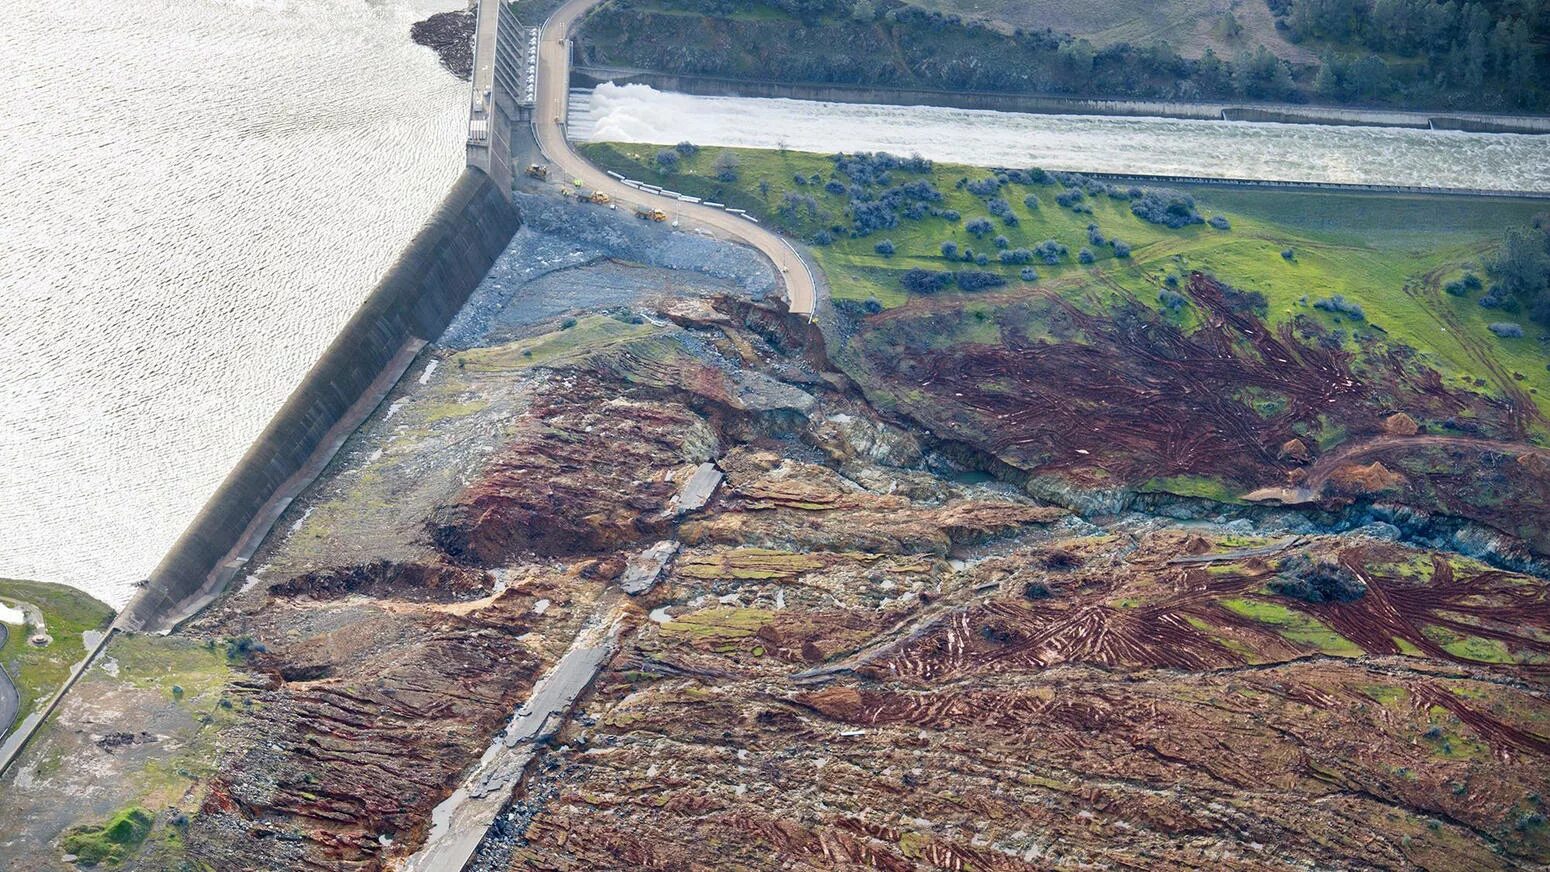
[38, 671]
[1387, 254]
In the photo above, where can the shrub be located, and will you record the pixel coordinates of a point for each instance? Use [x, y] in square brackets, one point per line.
[240, 648]
[1050, 251]
[1031, 202]
[799, 179]
[834, 186]
[869, 217]
[568, 323]
[1288, 254]
[1220, 222]
[949, 249]
[1340, 305]
[823, 237]
[1168, 208]
[1085, 256]
[979, 281]
[1171, 280]
[1461, 287]
[1001, 242]
[793, 203]
[1498, 298]
[726, 167]
[667, 160]
[884, 248]
[1506, 329]
[1121, 250]
[1069, 198]
[950, 215]
[1016, 256]
[984, 187]
[924, 281]
[979, 227]
[687, 149]
[1000, 208]
[872, 306]
[1170, 298]
[1093, 235]
[982, 259]
[1029, 274]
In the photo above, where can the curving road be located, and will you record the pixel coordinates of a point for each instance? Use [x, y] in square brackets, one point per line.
[9, 700]
[548, 129]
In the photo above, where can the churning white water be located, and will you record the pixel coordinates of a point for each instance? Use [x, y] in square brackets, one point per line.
[196, 195]
[1290, 152]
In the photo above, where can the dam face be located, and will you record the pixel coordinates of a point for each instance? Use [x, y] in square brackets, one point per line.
[412, 305]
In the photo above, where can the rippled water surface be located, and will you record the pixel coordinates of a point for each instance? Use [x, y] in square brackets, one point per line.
[196, 195]
[1291, 152]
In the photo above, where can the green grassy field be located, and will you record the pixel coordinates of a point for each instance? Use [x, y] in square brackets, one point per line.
[38, 672]
[1390, 254]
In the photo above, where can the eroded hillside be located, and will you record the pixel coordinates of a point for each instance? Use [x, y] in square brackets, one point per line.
[891, 595]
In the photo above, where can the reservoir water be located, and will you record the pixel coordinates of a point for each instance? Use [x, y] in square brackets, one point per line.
[197, 194]
[1166, 146]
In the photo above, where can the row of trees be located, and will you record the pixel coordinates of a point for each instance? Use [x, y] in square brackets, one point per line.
[1430, 53]
[1463, 45]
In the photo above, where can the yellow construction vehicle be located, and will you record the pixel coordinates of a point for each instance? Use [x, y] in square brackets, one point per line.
[538, 171]
[645, 214]
[597, 197]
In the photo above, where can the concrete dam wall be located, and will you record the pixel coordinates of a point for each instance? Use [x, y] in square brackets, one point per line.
[411, 306]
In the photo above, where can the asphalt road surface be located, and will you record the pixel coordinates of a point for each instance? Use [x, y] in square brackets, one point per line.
[9, 700]
[548, 127]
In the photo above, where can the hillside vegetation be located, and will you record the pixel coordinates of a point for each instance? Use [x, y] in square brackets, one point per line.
[1355, 286]
[1401, 53]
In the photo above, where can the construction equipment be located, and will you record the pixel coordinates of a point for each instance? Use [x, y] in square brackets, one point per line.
[597, 197]
[538, 171]
[576, 182]
[645, 214]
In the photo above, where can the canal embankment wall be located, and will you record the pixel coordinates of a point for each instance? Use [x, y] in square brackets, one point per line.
[410, 306]
[712, 86]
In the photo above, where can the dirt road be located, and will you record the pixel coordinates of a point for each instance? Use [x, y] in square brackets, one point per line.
[548, 128]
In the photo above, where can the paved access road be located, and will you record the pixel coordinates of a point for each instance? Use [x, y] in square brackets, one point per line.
[554, 84]
[9, 699]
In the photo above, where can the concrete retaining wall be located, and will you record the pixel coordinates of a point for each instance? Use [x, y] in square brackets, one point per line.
[710, 86]
[410, 306]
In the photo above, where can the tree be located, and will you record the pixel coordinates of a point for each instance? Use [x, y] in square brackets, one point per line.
[884, 248]
[667, 160]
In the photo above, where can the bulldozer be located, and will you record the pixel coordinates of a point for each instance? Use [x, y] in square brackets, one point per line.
[645, 214]
[538, 171]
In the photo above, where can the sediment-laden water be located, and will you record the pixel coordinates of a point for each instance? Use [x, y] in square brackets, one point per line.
[1252, 150]
[197, 195]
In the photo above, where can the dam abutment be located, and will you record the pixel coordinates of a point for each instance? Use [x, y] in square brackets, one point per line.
[409, 307]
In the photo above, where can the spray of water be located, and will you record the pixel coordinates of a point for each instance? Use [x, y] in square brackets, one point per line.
[1291, 152]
